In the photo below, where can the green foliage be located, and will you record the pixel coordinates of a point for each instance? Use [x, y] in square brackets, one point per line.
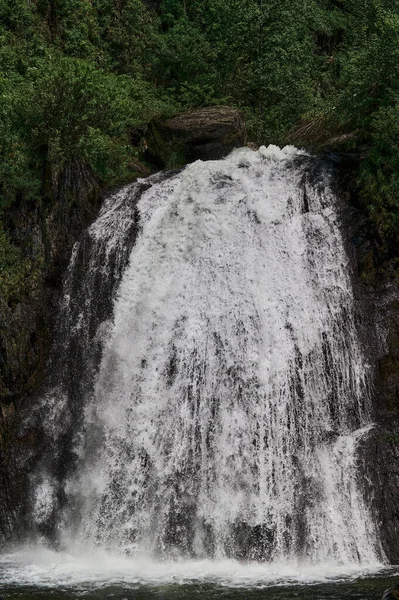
[185, 63]
[282, 82]
[379, 177]
[232, 28]
[78, 76]
[257, 55]
[76, 27]
[65, 109]
[16, 15]
[77, 103]
[367, 102]
[16, 173]
[370, 66]
[127, 35]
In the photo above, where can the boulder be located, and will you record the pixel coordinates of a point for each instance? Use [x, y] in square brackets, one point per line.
[207, 133]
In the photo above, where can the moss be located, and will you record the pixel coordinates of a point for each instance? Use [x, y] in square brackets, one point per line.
[391, 438]
[367, 269]
[176, 159]
[18, 274]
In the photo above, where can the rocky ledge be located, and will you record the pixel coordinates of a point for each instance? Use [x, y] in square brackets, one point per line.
[206, 133]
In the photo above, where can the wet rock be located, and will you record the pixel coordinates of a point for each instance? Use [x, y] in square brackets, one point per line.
[388, 364]
[377, 317]
[46, 233]
[206, 133]
[379, 464]
[391, 594]
[380, 450]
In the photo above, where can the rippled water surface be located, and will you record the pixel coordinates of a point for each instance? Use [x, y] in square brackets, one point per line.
[359, 589]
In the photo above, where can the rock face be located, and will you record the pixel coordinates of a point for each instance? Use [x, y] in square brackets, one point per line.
[380, 465]
[391, 594]
[377, 307]
[380, 452]
[206, 134]
[387, 381]
[46, 234]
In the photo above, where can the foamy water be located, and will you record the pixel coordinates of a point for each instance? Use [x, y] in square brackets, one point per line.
[41, 567]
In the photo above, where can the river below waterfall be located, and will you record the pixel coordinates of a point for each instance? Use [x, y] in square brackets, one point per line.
[37, 573]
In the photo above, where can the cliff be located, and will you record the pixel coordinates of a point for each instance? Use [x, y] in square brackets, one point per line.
[46, 233]
[377, 305]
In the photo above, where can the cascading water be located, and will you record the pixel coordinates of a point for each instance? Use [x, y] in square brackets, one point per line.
[230, 390]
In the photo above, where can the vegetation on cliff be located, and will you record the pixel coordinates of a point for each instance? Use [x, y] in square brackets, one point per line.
[79, 79]
[77, 76]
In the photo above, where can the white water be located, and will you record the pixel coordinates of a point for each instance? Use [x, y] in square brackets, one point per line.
[232, 390]
[42, 568]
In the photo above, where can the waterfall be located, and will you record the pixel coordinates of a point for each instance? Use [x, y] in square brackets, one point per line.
[210, 387]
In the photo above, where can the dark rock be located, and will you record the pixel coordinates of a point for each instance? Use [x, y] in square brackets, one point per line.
[386, 296]
[378, 301]
[46, 233]
[391, 594]
[377, 317]
[379, 462]
[137, 135]
[205, 133]
[379, 452]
